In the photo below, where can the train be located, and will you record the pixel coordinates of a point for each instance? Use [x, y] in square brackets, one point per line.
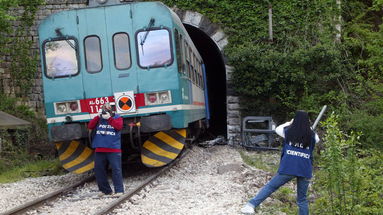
[136, 56]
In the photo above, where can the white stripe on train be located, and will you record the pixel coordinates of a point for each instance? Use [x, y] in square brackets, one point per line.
[138, 111]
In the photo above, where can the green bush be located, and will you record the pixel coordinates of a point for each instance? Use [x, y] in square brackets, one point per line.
[348, 180]
[368, 118]
[269, 80]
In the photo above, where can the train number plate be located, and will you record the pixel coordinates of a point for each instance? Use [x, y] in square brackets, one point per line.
[93, 105]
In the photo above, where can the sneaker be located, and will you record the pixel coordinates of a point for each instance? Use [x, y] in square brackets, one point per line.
[118, 194]
[248, 209]
[102, 194]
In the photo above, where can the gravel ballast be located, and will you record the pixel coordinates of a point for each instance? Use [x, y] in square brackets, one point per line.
[206, 181]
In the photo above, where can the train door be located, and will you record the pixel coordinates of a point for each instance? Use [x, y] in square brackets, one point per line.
[94, 42]
[119, 32]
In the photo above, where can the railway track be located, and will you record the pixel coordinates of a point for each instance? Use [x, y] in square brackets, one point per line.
[48, 197]
[51, 197]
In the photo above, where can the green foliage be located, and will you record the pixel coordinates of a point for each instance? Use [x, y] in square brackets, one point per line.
[16, 43]
[305, 67]
[17, 161]
[16, 46]
[32, 168]
[8, 104]
[363, 36]
[23, 57]
[26, 137]
[368, 118]
[302, 62]
[5, 24]
[267, 161]
[263, 73]
[349, 180]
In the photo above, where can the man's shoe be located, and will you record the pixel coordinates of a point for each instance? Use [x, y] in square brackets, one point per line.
[102, 194]
[118, 194]
[248, 209]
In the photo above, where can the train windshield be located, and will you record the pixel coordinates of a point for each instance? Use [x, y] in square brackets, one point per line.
[60, 58]
[154, 48]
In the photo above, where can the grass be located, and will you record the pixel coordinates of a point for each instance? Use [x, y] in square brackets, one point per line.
[264, 160]
[33, 169]
[285, 196]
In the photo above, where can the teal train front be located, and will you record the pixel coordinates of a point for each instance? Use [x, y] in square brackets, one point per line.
[136, 56]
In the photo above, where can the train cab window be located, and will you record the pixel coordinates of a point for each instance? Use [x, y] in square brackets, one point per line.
[121, 51]
[154, 48]
[60, 58]
[93, 58]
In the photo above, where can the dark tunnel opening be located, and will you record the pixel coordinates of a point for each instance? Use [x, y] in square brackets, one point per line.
[216, 79]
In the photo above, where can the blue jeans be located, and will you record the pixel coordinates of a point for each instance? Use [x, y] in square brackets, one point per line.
[102, 159]
[279, 180]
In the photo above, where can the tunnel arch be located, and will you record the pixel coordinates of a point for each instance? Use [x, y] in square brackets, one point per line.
[210, 41]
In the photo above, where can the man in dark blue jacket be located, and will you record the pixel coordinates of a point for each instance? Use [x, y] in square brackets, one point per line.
[107, 145]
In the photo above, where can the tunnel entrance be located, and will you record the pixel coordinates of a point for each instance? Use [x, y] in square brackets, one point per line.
[216, 79]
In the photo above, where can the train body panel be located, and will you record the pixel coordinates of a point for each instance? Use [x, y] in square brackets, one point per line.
[137, 56]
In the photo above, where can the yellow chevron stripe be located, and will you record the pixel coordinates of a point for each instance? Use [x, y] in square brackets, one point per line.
[159, 151]
[151, 162]
[81, 158]
[181, 132]
[72, 148]
[84, 168]
[169, 140]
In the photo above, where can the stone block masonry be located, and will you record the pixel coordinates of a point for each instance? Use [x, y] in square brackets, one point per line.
[34, 99]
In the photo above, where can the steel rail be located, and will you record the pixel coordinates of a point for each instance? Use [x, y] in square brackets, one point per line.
[147, 181]
[48, 197]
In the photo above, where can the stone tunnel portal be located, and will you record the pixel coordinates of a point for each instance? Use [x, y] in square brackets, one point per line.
[216, 79]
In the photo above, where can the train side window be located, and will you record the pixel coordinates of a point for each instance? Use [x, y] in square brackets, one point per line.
[187, 51]
[183, 57]
[154, 48]
[60, 58]
[178, 49]
[202, 81]
[188, 69]
[93, 58]
[121, 49]
[193, 73]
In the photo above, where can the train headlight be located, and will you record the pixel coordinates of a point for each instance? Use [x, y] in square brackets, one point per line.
[152, 98]
[164, 97]
[158, 98]
[73, 106]
[61, 108]
[67, 107]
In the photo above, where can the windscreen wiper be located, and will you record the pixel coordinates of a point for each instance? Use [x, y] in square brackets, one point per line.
[143, 39]
[58, 33]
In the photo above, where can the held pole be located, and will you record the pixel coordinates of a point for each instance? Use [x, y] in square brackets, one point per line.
[319, 116]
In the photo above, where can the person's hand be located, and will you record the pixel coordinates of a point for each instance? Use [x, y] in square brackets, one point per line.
[100, 112]
[106, 115]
